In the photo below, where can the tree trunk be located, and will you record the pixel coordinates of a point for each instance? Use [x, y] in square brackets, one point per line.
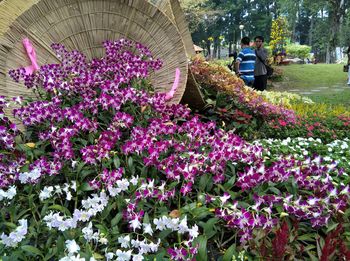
[294, 37]
[328, 53]
[337, 11]
[312, 22]
[215, 51]
[232, 34]
[234, 40]
[208, 48]
[296, 17]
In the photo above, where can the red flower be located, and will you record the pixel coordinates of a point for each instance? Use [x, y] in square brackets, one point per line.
[330, 244]
[280, 242]
[282, 122]
[310, 128]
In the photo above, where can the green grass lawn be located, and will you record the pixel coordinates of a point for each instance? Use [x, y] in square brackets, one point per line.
[329, 79]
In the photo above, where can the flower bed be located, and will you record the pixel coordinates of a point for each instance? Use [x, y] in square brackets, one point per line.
[218, 78]
[254, 114]
[106, 169]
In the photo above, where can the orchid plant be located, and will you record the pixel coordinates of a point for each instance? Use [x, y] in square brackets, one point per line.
[107, 169]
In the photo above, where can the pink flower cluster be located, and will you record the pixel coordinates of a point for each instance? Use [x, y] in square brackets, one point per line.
[318, 199]
[89, 100]
[11, 160]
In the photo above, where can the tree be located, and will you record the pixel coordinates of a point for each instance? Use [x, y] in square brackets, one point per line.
[344, 38]
[337, 10]
[206, 23]
[279, 34]
[194, 9]
[314, 23]
[222, 18]
[261, 15]
[298, 51]
[291, 9]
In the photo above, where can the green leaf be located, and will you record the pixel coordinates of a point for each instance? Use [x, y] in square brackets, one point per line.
[86, 172]
[294, 185]
[15, 255]
[102, 228]
[189, 207]
[98, 256]
[159, 257]
[32, 250]
[146, 218]
[309, 247]
[209, 227]
[229, 184]
[307, 237]
[221, 187]
[164, 233]
[210, 234]
[60, 244]
[117, 219]
[91, 138]
[203, 182]
[82, 141]
[85, 187]
[25, 168]
[243, 204]
[144, 171]
[229, 253]
[80, 166]
[131, 165]
[200, 212]
[331, 227]
[275, 190]
[312, 256]
[232, 169]
[130, 162]
[10, 224]
[320, 244]
[116, 162]
[44, 209]
[106, 211]
[51, 238]
[202, 249]
[23, 147]
[60, 208]
[50, 254]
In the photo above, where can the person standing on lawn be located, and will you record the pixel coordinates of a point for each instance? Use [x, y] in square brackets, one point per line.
[245, 62]
[260, 72]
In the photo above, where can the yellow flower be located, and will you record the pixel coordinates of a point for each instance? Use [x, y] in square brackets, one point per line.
[30, 145]
[284, 214]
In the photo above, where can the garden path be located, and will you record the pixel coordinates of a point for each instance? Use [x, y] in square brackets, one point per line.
[334, 88]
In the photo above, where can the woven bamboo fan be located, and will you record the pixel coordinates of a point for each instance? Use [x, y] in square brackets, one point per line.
[182, 25]
[172, 8]
[84, 25]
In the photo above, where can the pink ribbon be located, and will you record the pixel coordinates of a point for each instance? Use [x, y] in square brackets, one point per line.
[32, 57]
[169, 95]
